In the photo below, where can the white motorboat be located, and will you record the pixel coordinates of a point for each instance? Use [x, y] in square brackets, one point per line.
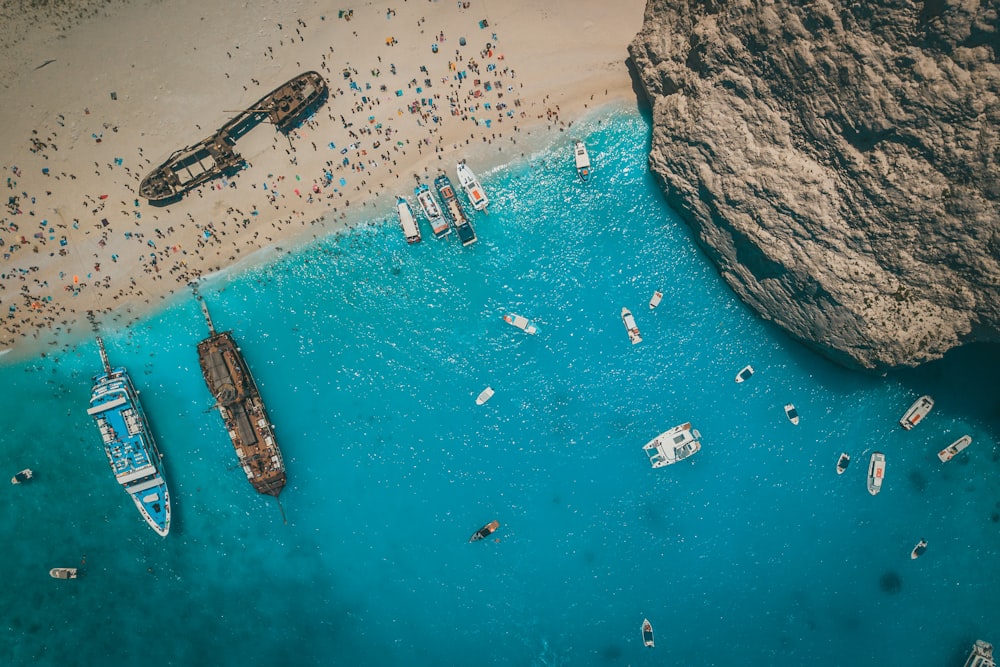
[916, 412]
[672, 446]
[843, 462]
[484, 395]
[918, 550]
[633, 330]
[63, 573]
[582, 160]
[406, 220]
[520, 322]
[876, 472]
[473, 189]
[439, 226]
[647, 633]
[954, 448]
[792, 413]
[744, 373]
[654, 300]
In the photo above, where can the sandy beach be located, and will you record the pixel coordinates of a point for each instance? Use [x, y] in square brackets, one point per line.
[98, 95]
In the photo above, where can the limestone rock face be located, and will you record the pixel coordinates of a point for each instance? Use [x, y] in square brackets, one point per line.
[839, 161]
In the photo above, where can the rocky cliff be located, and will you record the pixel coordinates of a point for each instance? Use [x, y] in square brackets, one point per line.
[839, 161]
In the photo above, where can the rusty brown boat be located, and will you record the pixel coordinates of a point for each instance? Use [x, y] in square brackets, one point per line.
[236, 395]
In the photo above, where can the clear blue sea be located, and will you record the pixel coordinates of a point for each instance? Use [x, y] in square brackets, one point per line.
[370, 354]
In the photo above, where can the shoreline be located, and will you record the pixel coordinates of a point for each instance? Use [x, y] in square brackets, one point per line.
[481, 82]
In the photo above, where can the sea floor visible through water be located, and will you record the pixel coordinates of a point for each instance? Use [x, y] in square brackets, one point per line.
[370, 354]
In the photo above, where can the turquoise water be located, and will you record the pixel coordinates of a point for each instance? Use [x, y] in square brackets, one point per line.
[370, 354]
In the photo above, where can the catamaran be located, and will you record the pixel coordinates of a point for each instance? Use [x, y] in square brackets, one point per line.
[582, 160]
[672, 446]
[128, 443]
[439, 226]
[916, 412]
[406, 220]
[474, 190]
[954, 448]
[876, 472]
[633, 330]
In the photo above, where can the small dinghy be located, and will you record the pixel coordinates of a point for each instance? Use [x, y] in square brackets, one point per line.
[654, 300]
[63, 573]
[485, 531]
[647, 633]
[792, 413]
[744, 374]
[484, 395]
[919, 550]
[21, 477]
[843, 462]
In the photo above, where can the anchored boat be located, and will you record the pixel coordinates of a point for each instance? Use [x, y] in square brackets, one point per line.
[439, 226]
[954, 448]
[22, 477]
[916, 412]
[63, 573]
[654, 300]
[582, 160]
[647, 633]
[792, 413]
[918, 550]
[520, 322]
[672, 446]
[473, 189]
[484, 395]
[407, 221]
[876, 472]
[453, 210]
[485, 531]
[236, 395]
[744, 374]
[633, 330]
[128, 443]
[843, 462]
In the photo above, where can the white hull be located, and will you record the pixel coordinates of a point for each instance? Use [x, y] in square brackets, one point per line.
[484, 395]
[473, 189]
[582, 160]
[916, 412]
[954, 448]
[439, 226]
[633, 330]
[521, 323]
[654, 301]
[406, 220]
[671, 446]
[876, 473]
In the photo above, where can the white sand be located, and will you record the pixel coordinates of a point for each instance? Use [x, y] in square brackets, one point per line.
[181, 69]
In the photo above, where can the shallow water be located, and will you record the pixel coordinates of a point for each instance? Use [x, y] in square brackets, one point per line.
[370, 353]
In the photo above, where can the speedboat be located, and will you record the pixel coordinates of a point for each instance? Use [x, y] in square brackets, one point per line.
[843, 462]
[485, 531]
[647, 633]
[520, 322]
[406, 220]
[744, 373]
[484, 395]
[948, 452]
[582, 160]
[473, 189]
[981, 656]
[63, 573]
[633, 330]
[22, 476]
[919, 550]
[654, 301]
[672, 446]
[791, 413]
[876, 472]
[917, 411]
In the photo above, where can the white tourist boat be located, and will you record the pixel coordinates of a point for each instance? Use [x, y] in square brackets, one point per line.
[473, 189]
[981, 656]
[582, 160]
[792, 413]
[954, 448]
[654, 300]
[63, 573]
[429, 204]
[917, 411]
[406, 220]
[647, 633]
[843, 462]
[876, 472]
[744, 374]
[918, 550]
[520, 322]
[633, 330]
[672, 446]
[484, 395]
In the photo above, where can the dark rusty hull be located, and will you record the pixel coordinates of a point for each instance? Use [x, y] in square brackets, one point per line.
[243, 412]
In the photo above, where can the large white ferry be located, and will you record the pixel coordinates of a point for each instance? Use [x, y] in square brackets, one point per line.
[439, 226]
[916, 412]
[672, 446]
[472, 187]
[128, 444]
